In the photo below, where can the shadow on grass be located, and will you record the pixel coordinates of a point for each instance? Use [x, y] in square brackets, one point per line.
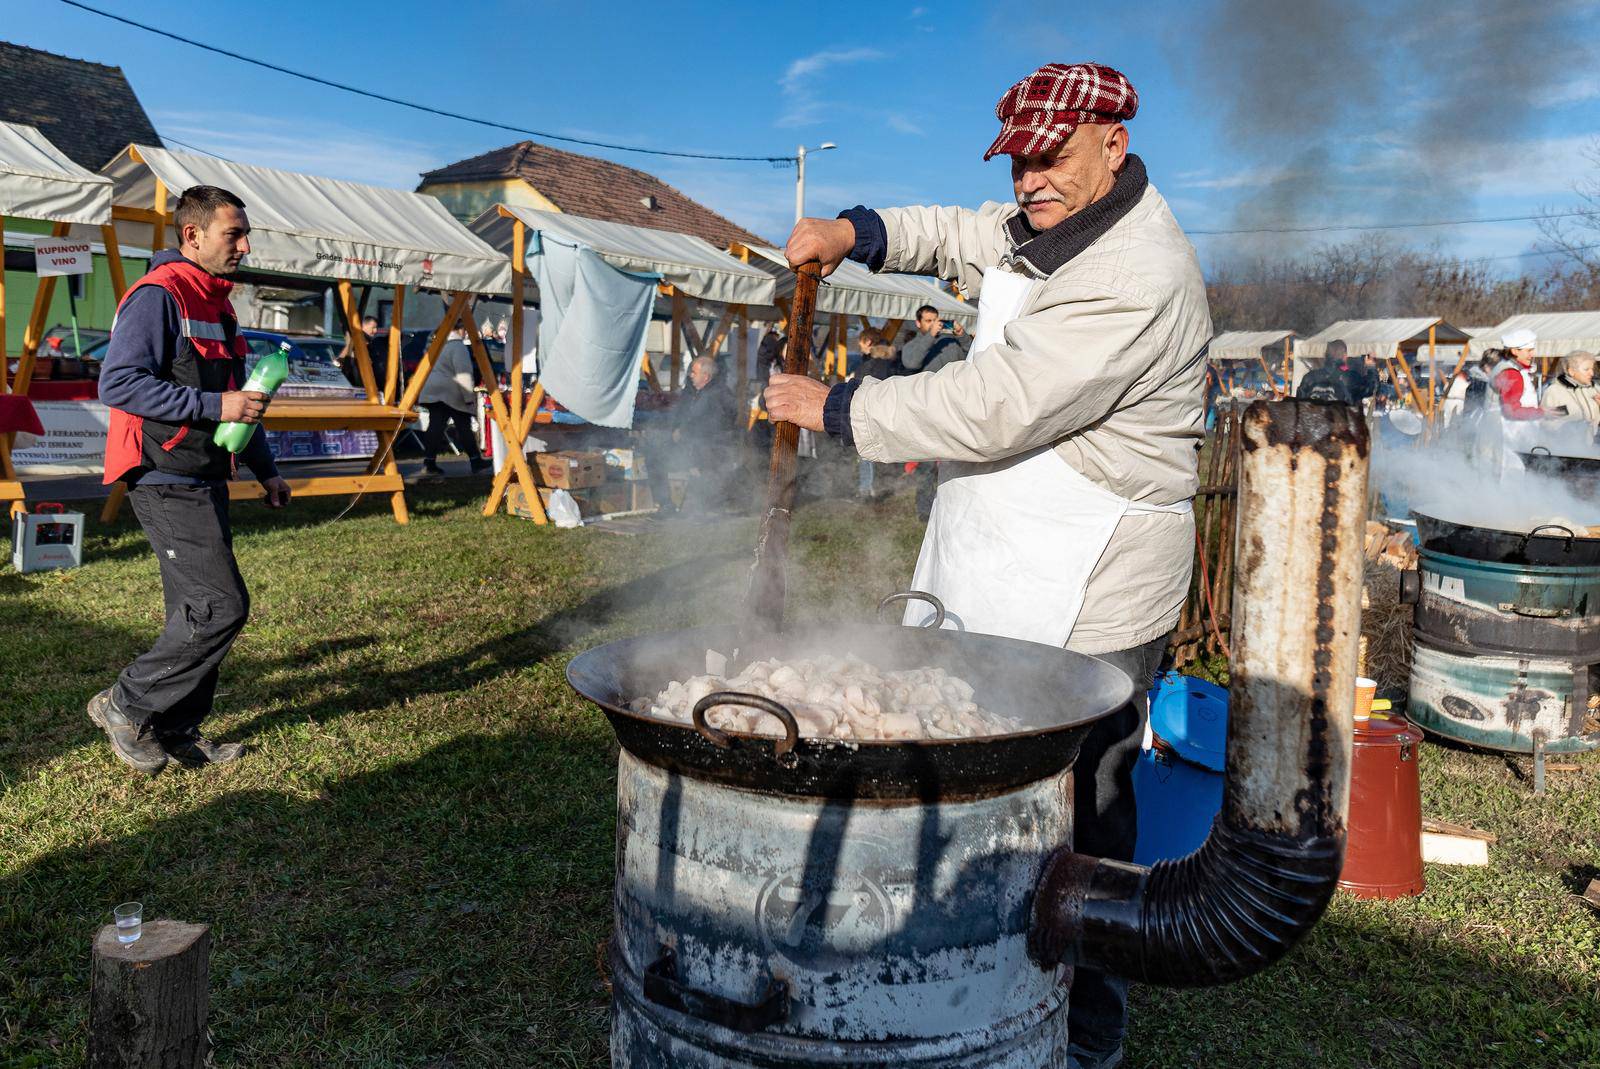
[1370, 995]
[444, 911]
[83, 658]
[566, 631]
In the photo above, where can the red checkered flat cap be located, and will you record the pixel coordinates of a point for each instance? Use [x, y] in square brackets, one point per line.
[1042, 110]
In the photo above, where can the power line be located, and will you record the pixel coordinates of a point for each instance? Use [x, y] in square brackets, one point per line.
[197, 148]
[1533, 252]
[1325, 228]
[412, 104]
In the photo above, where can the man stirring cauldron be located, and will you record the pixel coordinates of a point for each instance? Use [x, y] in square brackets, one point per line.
[1074, 424]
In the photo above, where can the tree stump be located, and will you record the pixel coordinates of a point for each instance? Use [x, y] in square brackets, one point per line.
[148, 999]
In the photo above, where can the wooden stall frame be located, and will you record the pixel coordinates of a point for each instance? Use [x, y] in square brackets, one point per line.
[11, 487]
[374, 414]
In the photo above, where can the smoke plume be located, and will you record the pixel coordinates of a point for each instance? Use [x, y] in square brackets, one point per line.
[1378, 111]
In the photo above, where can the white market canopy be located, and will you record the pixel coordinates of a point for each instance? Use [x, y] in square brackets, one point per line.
[319, 227]
[691, 265]
[1559, 333]
[38, 181]
[1379, 337]
[854, 290]
[1247, 344]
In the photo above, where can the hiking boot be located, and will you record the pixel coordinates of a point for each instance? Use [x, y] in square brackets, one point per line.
[430, 468]
[193, 750]
[134, 746]
[481, 464]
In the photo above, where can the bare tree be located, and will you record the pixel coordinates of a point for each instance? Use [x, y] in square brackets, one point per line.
[1577, 237]
[1375, 277]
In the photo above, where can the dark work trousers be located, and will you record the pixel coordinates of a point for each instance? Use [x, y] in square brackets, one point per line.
[1105, 824]
[439, 416]
[170, 688]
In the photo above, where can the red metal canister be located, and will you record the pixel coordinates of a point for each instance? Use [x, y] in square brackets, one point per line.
[1383, 855]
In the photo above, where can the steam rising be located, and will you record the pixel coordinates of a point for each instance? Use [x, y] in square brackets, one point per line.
[1466, 477]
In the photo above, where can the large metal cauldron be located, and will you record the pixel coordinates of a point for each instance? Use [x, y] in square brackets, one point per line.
[843, 904]
[1550, 544]
[805, 903]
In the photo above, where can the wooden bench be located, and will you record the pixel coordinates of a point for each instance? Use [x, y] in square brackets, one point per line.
[313, 414]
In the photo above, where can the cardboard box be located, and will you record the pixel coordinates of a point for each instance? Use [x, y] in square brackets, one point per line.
[628, 463]
[43, 540]
[517, 504]
[592, 502]
[614, 497]
[570, 470]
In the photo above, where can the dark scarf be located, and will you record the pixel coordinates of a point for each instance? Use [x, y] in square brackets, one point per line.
[1043, 254]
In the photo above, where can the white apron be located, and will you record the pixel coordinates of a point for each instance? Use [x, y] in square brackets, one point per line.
[1520, 435]
[1009, 548]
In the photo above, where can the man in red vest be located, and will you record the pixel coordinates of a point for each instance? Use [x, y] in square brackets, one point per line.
[172, 373]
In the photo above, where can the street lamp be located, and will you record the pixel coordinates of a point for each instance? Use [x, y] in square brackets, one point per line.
[800, 177]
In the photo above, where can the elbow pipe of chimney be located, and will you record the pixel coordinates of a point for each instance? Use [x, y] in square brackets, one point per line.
[1266, 872]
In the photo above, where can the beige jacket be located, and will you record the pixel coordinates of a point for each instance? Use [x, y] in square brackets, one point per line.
[1106, 362]
[1579, 402]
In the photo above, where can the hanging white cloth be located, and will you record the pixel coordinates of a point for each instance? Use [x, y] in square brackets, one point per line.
[1010, 547]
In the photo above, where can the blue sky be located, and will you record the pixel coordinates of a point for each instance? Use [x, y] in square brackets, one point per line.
[1348, 112]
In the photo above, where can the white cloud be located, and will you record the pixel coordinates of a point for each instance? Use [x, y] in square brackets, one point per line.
[896, 121]
[1255, 176]
[310, 146]
[917, 13]
[1579, 90]
[802, 104]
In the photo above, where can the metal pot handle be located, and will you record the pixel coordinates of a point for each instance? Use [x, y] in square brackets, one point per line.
[722, 740]
[1549, 527]
[662, 986]
[916, 595]
[1539, 451]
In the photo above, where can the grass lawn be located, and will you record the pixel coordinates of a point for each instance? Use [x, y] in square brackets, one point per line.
[413, 866]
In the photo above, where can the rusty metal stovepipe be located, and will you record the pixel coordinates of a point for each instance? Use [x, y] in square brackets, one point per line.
[1267, 870]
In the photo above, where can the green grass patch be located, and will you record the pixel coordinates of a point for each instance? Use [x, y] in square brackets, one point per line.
[413, 866]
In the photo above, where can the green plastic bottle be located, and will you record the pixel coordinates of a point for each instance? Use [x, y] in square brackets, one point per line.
[269, 373]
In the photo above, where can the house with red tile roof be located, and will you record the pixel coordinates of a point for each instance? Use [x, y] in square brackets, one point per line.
[532, 175]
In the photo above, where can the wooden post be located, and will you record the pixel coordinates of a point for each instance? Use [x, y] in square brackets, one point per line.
[452, 315]
[718, 333]
[741, 372]
[519, 271]
[503, 479]
[397, 317]
[1288, 365]
[1433, 370]
[841, 346]
[33, 337]
[149, 999]
[515, 458]
[1411, 384]
[1272, 380]
[158, 229]
[677, 341]
[4, 360]
[119, 280]
[358, 340]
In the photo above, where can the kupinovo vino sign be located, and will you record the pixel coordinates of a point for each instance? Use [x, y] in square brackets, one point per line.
[58, 256]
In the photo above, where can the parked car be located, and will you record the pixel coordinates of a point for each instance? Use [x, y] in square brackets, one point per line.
[313, 360]
[59, 341]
